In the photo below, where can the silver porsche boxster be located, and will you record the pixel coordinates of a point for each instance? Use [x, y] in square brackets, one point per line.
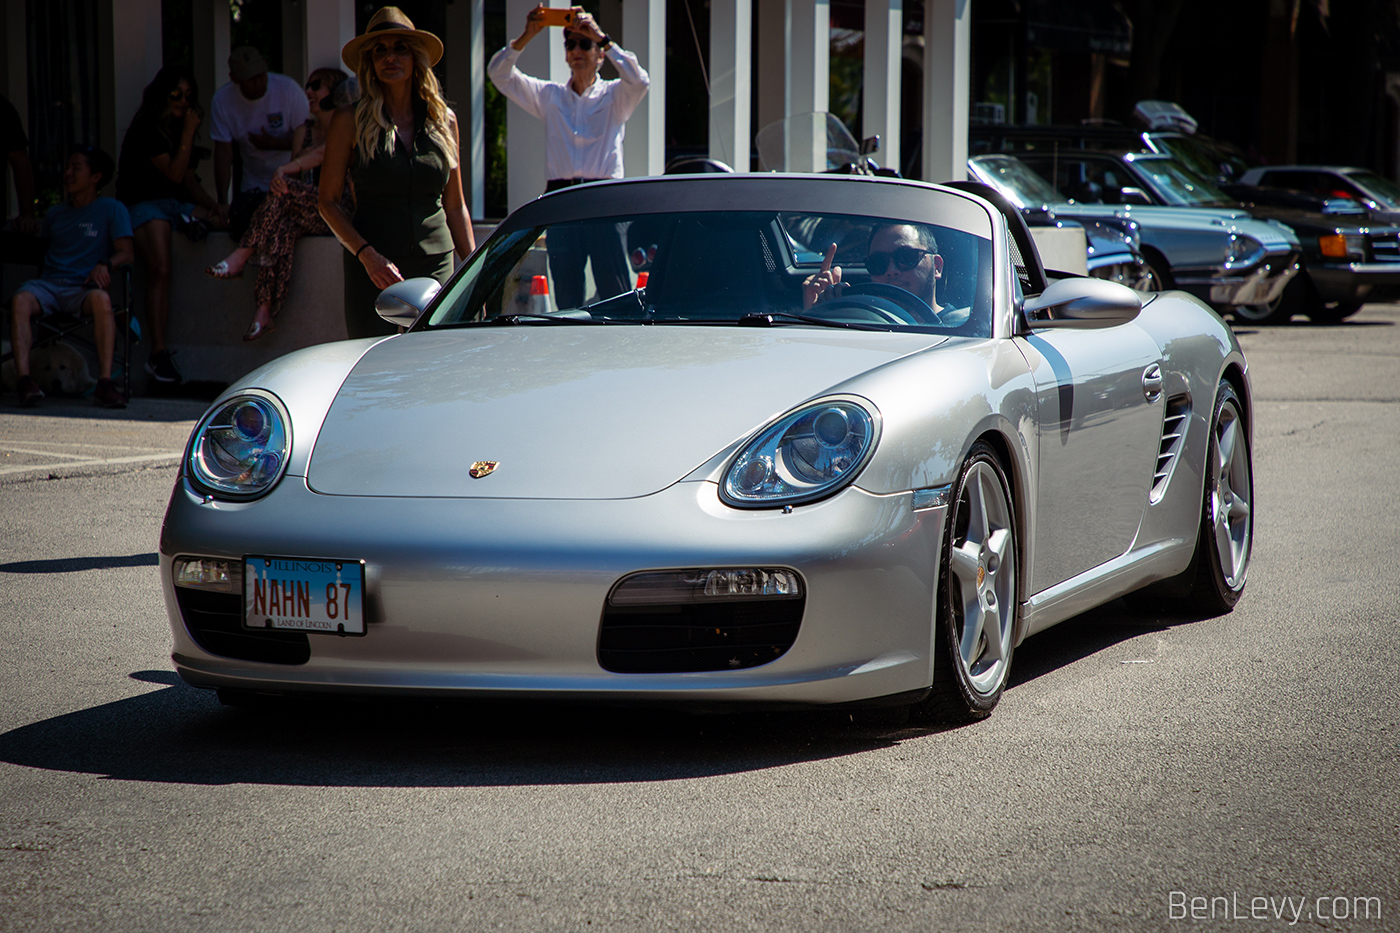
[715, 439]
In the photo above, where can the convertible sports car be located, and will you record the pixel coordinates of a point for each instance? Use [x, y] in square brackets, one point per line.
[715, 486]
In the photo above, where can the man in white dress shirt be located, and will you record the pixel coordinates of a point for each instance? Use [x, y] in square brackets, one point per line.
[584, 121]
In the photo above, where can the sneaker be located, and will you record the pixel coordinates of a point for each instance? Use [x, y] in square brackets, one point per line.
[107, 395]
[28, 391]
[162, 368]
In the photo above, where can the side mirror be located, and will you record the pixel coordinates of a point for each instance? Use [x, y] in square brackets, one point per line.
[870, 144]
[402, 302]
[1082, 303]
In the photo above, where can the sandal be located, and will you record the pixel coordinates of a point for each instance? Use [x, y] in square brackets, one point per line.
[256, 330]
[220, 270]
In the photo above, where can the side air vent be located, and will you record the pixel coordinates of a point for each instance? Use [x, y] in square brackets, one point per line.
[215, 622]
[1173, 436]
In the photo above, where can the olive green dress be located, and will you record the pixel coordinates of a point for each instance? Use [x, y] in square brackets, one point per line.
[398, 210]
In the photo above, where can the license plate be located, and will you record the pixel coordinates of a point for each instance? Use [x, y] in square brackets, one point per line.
[304, 595]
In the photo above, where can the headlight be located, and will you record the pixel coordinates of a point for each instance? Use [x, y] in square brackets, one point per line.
[240, 449]
[804, 455]
[1243, 251]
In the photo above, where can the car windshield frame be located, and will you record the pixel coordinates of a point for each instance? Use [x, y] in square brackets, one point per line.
[1378, 186]
[763, 283]
[1176, 185]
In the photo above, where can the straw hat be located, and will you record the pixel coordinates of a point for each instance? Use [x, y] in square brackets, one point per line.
[389, 23]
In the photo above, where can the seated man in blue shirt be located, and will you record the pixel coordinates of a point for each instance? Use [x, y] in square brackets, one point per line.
[88, 235]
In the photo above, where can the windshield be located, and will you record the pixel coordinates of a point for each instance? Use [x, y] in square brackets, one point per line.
[727, 267]
[1382, 188]
[806, 142]
[1179, 186]
[1014, 179]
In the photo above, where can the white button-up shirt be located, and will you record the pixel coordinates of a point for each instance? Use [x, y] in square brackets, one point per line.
[583, 132]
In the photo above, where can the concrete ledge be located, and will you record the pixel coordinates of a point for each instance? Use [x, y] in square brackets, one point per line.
[208, 316]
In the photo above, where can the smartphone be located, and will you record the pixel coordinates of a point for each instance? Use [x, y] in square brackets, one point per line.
[557, 17]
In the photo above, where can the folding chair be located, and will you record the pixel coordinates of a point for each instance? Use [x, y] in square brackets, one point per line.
[51, 328]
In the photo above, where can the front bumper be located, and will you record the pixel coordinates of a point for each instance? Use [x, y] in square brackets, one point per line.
[1356, 281]
[1260, 284]
[505, 597]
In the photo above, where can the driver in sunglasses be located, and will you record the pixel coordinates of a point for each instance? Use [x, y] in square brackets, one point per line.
[584, 121]
[903, 255]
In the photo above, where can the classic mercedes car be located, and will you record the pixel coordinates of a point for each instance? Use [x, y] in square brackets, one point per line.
[1222, 256]
[738, 480]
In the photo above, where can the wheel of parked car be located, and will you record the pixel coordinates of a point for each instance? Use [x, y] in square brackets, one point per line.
[976, 594]
[1227, 521]
[1156, 274]
[1337, 311]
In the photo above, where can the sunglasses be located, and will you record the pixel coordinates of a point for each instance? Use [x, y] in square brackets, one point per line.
[398, 50]
[314, 85]
[579, 42]
[177, 94]
[905, 258]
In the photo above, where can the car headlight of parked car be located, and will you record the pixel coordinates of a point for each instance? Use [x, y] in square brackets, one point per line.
[239, 450]
[804, 455]
[1243, 251]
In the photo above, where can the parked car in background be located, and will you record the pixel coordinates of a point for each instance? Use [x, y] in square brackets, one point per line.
[1380, 196]
[1224, 256]
[1345, 259]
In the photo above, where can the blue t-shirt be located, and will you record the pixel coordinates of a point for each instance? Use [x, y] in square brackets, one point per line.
[81, 237]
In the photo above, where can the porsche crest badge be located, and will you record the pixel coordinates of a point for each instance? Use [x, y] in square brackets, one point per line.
[482, 468]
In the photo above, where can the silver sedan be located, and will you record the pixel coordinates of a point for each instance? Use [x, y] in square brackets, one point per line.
[714, 439]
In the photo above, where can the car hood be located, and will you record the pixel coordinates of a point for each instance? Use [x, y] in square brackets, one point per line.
[1154, 217]
[571, 412]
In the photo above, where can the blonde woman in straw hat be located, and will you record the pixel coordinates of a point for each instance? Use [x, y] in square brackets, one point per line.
[399, 145]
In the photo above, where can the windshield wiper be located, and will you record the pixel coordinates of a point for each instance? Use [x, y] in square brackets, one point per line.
[526, 316]
[771, 318]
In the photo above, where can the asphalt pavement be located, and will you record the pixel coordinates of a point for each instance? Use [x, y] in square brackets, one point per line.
[1141, 773]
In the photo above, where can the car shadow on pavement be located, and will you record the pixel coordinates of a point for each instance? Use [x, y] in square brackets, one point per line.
[177, 734]
[73, 564]
[1085, 635]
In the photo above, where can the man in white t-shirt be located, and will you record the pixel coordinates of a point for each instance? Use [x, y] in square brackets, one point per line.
[259, 111]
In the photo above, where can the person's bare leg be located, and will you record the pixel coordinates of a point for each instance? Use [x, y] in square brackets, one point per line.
[22, 307]
[153, 243]
[263, 315]
[98, 305]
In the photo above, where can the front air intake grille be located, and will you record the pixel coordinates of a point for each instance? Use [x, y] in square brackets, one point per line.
[215, 622]
[1385, 247]
[1174, 423]
[724, 635]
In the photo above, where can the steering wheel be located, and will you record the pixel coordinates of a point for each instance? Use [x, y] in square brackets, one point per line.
[912, 308]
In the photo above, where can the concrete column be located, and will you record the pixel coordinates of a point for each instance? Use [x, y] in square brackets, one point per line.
[210, 47]
[884, 37]
[326, 26]
[808, 83]
[543, 58]
[644, 35]
[947, 85]
[771, 76]
[135, 38]
[465, 87]
[731, 34]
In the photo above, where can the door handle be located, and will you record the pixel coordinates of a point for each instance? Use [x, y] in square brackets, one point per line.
[1152, 382]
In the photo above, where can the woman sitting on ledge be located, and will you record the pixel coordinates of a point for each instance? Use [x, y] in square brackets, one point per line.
[291, 212]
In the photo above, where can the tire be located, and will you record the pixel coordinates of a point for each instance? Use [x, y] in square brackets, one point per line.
[1226, 535]
[976, 602]
[1334, 313]
[1281, 310]
[1156, 274]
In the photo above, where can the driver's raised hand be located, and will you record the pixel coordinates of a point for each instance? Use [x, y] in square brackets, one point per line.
[824, 284]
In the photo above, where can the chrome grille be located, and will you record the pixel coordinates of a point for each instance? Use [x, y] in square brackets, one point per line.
[1385, 247]
[1173, 435]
